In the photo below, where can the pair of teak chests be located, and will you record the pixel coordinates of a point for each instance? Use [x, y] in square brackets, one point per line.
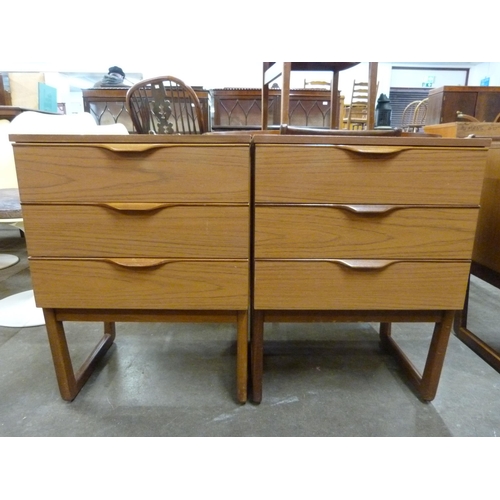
[250, 229]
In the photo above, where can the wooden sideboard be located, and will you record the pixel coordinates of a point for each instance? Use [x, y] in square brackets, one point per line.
[136, 228]
[481, 102]
[235, 109]
[364, 229]
[107, 105]
[223, 109]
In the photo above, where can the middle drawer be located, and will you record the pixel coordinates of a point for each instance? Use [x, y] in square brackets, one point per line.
[137, 230]
[364, 231]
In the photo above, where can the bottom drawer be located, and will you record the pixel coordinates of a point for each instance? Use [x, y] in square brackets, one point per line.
[316, 285]
[105, 284]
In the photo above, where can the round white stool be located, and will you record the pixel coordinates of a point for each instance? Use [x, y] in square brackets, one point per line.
[7, 260]
[20, 311]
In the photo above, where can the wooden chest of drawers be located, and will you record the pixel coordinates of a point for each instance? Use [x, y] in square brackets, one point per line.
[148, 228]
[357, 228]
[137, 228]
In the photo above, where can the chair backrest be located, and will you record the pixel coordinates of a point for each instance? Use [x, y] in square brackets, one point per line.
[408, 116]
[317, 84]
[165, 105]
[419, 115]
[357, 114]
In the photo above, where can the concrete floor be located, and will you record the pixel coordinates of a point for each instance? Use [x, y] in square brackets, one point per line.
[179, 379]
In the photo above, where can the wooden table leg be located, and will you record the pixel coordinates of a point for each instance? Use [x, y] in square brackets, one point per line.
[70, 383]
[257, 355]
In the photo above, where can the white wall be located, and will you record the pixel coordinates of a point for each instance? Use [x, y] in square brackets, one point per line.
[218, 73]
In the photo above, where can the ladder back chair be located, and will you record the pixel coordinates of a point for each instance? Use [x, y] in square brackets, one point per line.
[357, 112]
[165, 105]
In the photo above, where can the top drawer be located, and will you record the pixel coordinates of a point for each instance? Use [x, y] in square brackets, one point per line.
[133, 172]
[368, 174]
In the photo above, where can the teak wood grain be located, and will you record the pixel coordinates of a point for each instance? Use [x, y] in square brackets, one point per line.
[322, 231]
[173, 284]
[332, 174]
[195, 231]
[95, 173]
[397, 285]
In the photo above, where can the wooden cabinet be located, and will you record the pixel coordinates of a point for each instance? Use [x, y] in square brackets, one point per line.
[241, 108]
[137, 228]
[481, 102]
[357, 228]
[107, 105]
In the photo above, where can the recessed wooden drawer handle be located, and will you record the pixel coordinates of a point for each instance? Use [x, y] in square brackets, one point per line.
[138, 263]
[368, 209]
[378, 150]
[130, 148]
[136, 207]
[363, 264]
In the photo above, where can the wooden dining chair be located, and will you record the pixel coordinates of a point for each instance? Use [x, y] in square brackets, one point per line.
[165, 105]
[357, 110]
[413, 117]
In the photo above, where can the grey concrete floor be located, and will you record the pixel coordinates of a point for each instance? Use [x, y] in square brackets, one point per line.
[162, 379]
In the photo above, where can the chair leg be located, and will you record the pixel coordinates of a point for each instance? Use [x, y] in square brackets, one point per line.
[70, 383]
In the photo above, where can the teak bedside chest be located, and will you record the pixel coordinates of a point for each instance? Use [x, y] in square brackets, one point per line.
[136, 228]
[364, 229]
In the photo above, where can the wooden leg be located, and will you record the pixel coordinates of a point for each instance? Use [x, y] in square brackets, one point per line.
[435, 358]
[426, 383]
[385, 332]
[70, 383]
[257, 355]
[481, 348]
[461, 316]
[477, 345]
[242, 357]
[285, 94]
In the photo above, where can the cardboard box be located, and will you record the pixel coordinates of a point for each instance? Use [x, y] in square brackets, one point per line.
[464, 129]
[24, 89]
